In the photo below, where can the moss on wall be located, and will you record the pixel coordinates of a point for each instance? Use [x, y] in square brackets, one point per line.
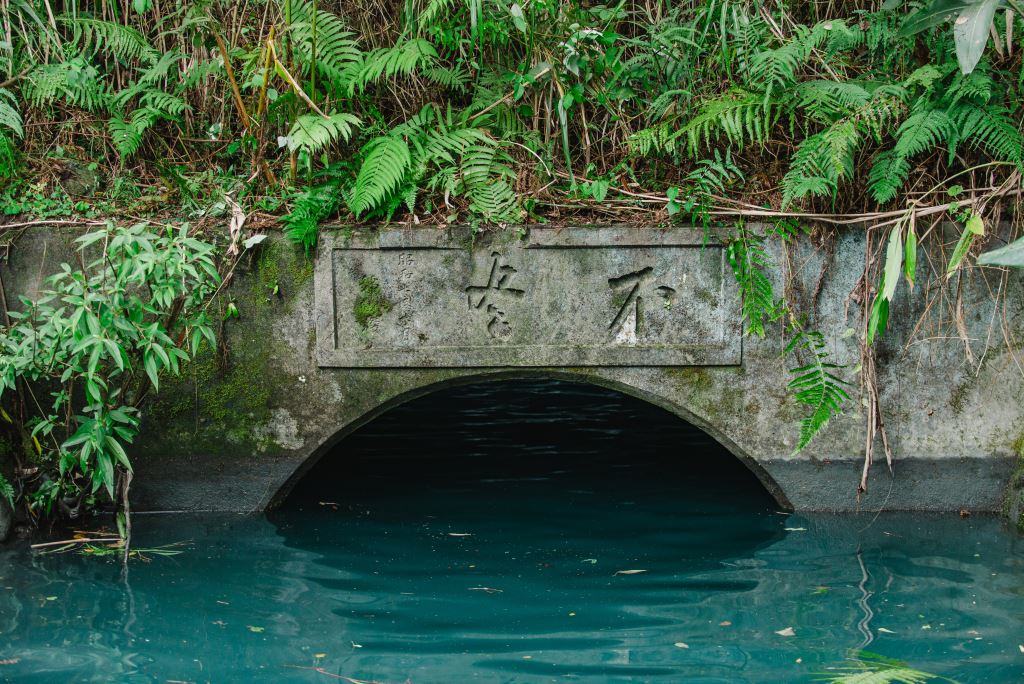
[370, 302]
[218, 402]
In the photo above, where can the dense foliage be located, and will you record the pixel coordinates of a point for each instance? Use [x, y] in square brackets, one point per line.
[82, 356]
[497, 112]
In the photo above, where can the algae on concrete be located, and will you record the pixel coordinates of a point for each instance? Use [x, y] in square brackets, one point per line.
[370, 302]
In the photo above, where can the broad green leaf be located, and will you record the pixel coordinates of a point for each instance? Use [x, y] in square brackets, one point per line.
[970, 32]
[893, 262]
[517, 17]
[119, 453]
[910, 256]
[1010, 255]
[879, 318]
[149, 362]
[106, 472]
[976, 225]
[932, 14]
[963, 246]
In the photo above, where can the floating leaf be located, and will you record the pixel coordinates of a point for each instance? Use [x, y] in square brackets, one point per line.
[257, 630]
[629, 572]
[787, 632]
[680, 644]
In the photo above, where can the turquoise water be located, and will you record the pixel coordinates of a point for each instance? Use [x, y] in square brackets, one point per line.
[498, 542]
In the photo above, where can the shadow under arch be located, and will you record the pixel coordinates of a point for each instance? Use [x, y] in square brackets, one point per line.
[769, 484]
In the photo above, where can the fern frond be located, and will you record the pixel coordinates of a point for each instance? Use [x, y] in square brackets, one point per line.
[385, 164]
[739, 116]
[335, 48]
[384, 63]
[825, 101]
[308, 210]
[816, 386]
[650, 140]
[311, 133]
[170, 106]
[821, 162]
[922, 131]
[992, 128]
[10, 118]
[6, 490]
[127, 133]
[711, 176]
[773, 70]
[748, 261]
[74, 81]
[451, 78]
[446, 145]
[495, 202]
[432, 12]
[887, 175]
[871, 668]
[123, 43]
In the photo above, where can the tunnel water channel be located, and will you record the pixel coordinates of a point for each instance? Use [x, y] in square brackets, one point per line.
[525, 531]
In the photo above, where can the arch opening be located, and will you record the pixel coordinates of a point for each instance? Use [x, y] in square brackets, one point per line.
[504, 435]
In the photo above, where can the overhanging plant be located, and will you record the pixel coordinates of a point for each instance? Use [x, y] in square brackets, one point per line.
[78, 360]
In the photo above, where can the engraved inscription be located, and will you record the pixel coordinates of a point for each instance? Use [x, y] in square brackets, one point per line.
[488, 297]
[404, 304]
[568, 297]
[626, 325]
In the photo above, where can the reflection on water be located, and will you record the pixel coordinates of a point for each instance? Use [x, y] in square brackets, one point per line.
[402, 560]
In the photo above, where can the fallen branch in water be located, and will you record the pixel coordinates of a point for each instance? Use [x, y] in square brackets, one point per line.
[77, 541]
[336, 676]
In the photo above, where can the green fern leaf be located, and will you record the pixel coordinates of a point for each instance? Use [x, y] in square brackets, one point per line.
[311, 133]
[6, 490]
[332, 49]
[309, 208]
[748, 261]
[402, 58]
[815, 386]
[739, 116]
[124, 43]
[385, 164]
[887, 175]
[992, 128]
[10, 118]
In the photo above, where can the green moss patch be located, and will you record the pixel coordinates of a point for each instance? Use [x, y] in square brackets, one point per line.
[370, 302]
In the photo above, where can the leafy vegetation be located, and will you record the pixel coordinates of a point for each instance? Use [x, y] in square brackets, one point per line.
[496, 112]
[81, 357]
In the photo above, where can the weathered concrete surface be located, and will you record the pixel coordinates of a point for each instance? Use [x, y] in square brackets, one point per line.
[236, 433]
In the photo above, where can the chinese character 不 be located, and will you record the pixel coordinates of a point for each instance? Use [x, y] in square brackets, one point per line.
[626, 323]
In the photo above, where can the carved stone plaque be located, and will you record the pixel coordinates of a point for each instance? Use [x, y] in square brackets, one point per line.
[419, 297]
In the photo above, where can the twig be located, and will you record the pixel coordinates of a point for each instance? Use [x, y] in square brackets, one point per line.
[324, 672]
[76, 541]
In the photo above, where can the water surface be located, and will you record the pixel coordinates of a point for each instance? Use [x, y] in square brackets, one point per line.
[502, 539]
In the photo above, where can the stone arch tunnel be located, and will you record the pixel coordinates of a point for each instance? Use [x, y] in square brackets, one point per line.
[512, 378]
[326, 342]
